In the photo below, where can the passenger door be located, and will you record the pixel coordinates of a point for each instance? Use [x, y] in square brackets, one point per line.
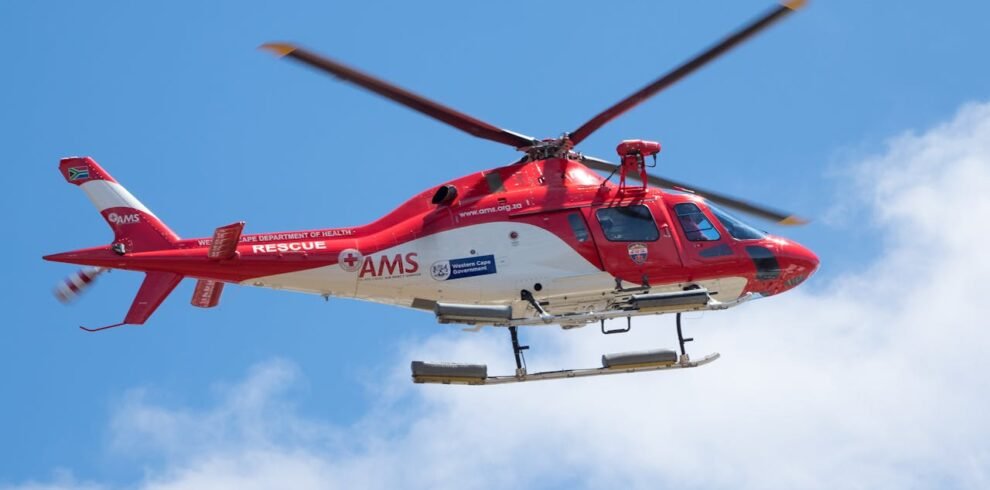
[634, 242]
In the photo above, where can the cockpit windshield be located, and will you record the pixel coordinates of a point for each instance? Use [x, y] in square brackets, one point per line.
[736, 227]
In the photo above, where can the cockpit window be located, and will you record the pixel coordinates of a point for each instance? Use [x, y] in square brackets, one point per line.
[696, 226]
[628, 224]
[735, 226]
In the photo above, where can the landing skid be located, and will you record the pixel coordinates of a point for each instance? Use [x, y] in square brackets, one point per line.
[563, 374]
[629, 362]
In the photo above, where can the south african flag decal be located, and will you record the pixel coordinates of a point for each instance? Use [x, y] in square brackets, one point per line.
[78, 173]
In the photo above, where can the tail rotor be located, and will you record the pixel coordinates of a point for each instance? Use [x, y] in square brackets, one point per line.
[72, 286]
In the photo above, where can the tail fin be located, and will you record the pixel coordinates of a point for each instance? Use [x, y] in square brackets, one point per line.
[135, 227]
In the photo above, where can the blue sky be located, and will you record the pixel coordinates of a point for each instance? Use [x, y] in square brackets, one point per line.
[178, 104]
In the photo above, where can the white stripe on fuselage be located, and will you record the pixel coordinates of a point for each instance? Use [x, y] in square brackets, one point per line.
[537, 256]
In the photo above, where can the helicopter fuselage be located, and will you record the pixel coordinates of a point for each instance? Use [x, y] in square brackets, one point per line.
[578, 243]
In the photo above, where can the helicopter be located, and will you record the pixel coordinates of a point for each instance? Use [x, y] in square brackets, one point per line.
[545, 240]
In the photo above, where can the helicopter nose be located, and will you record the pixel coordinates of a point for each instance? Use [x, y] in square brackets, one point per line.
[798, 263]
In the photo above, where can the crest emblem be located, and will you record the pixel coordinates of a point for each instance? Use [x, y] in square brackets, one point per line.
[440, 270]
[638, 253]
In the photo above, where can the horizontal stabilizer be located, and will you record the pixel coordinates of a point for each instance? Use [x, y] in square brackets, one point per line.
[225, 238]
[207, 293]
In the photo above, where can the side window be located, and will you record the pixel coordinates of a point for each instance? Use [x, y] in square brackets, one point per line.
[628, 224]
[696, 226]
[577, 224]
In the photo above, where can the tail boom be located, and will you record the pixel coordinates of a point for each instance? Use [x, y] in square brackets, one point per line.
[144, 243]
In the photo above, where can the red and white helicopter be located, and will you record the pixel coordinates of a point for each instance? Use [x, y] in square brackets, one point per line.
[544, 240]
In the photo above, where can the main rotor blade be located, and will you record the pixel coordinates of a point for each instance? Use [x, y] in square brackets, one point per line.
[685, 69]
[415, 102]
[780, 217]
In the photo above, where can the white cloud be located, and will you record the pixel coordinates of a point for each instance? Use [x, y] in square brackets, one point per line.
[876, 380]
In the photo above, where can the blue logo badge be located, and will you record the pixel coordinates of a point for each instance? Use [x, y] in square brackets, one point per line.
[445, 270]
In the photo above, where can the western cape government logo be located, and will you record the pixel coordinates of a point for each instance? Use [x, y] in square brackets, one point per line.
[445, 270]
[638, 253]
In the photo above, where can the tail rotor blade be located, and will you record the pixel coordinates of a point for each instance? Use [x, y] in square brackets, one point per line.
[74, 285]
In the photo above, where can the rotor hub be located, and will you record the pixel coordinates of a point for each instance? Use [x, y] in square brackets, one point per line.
[549, 148]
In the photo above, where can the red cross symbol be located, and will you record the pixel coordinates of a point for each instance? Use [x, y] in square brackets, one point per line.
[351, 259]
